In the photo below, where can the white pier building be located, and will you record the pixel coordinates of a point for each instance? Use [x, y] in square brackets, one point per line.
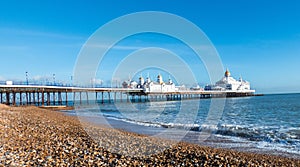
[225, 84]
[149, 86]
[228, 83]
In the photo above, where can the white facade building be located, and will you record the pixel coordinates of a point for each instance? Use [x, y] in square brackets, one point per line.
[229, 83]
[159, 86]
[153, 87]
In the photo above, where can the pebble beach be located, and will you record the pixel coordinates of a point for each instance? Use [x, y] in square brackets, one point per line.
[31, 136]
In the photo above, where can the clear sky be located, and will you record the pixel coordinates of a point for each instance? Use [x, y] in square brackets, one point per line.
[259, 40]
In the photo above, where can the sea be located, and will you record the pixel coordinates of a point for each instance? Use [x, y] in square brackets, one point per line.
[260, 124]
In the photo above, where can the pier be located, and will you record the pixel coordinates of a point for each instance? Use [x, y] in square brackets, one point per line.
[18, 95]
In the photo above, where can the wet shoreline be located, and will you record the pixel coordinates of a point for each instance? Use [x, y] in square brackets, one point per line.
[193, 137]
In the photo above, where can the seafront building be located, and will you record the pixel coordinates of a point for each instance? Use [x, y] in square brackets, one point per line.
[228, 83]
[149, 86]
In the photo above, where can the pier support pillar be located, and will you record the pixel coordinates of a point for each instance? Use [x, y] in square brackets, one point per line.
[109, 97]
[48, 98]
[96, 97]
[27, 98]
[33, 96]
[53, 98]
[43, 98]
[66, 98]
[14, 99]
[80, 98]
[7, 98]
[74, 97]
[20, 94]
[87, 97]
[59, 98]
[38, 98]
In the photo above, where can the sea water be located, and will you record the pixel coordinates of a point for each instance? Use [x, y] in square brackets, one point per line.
[269, 123]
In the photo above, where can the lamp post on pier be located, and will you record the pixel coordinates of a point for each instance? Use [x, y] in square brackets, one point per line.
[53, 79]
[71, 84]
[26, 78]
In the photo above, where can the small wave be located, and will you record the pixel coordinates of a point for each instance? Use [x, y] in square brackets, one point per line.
[280, 147]
[260, 134]
[194, 127]
[143, 123]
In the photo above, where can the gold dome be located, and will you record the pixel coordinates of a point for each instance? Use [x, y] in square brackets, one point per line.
[227, 73]
[159, 79]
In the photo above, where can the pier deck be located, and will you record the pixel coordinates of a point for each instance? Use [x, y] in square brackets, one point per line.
[57, 95]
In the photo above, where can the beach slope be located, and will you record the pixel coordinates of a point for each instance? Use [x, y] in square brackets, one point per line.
[34, 137]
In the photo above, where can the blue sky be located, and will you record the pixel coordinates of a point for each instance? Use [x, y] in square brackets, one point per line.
[256, 39]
